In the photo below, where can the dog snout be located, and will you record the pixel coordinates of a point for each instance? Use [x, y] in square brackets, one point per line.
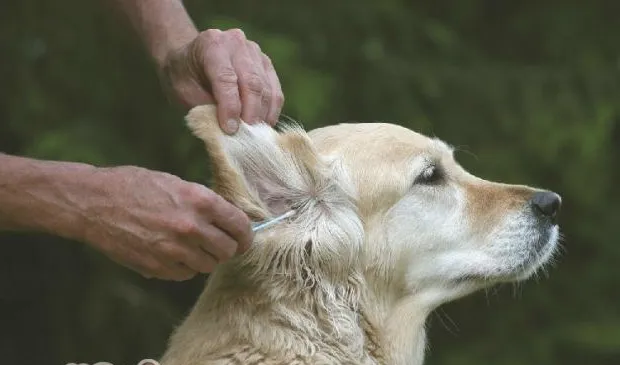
[547, 203]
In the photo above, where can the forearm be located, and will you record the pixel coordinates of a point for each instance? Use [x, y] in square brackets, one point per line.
[42, 196]
[163, 25]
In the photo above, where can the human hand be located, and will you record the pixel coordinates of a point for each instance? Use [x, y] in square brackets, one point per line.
[160, 225]
[225, 68]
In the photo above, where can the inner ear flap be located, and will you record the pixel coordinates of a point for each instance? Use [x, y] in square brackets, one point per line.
[259, 170]
[227, 179]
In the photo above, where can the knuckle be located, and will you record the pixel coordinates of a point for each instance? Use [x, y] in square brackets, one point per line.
[226, 76]
[267, 94]
[198, 196]
[210, 37]
[172, 252]
[254, 46]
[279, 99]
[244, 226]
[236, 34]
[253, 83]
[267, 60]
[227, 250]
[187, 227]
[189, 191]
[211, 33]
[210, 200]
[238, 218]
[229, 253]
[266, 97]
[226, 256]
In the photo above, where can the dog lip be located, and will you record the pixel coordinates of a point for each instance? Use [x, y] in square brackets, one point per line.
[543, 248]
[536, 256]
[543, 240]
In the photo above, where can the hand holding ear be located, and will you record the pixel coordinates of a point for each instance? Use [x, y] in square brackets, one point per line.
[225, 68]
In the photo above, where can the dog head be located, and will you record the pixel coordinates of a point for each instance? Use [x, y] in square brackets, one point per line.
[381, 199]
[433, 228]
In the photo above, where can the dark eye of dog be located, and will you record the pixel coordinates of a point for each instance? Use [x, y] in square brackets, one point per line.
[430, 176]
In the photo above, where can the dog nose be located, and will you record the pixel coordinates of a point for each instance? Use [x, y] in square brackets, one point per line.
[547, 202]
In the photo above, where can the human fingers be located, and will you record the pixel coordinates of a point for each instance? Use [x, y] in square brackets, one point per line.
[184, 256]
[219, 244]
[219, 69]
[230, 220]
[252, 85]
[277, 96]
[178, 271]
[256, 55]
[151, 266]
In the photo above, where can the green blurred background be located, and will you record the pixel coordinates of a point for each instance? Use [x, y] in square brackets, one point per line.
[529, 89]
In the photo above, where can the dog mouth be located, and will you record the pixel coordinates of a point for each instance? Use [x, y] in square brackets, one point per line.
[540, 246]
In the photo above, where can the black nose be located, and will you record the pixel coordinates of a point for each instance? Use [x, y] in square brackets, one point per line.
[547, 202]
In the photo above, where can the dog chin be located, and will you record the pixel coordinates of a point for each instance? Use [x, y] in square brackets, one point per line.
[543, 246]
[545, 249]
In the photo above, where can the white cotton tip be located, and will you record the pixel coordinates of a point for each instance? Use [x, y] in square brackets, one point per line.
[258, 226]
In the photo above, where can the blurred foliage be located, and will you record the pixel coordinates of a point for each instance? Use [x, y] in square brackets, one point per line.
[528, 91]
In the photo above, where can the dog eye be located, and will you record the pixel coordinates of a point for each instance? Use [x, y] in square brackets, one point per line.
[430, 176]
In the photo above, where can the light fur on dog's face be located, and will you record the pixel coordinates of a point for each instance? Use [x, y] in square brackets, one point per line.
[432, 227]
[387, 227]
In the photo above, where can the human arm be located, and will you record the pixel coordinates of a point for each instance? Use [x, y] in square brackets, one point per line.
[206, 67]
[152, 222]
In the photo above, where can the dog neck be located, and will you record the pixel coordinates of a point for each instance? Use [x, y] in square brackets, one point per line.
[324, 314]
[336, 322]
[401, 322]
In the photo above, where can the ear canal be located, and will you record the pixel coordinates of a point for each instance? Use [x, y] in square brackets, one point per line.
[227, 180]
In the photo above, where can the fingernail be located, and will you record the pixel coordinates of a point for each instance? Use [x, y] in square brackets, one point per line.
[231, 126]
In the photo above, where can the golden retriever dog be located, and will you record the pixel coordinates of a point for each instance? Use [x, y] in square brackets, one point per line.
[387, 227]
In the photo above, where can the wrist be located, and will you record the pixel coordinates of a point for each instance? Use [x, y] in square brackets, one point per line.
[82, 186]
[164, 26]
[163, 50]
[65, 199]
[43, 196]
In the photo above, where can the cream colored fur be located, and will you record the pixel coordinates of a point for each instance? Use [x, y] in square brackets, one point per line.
[377, 243]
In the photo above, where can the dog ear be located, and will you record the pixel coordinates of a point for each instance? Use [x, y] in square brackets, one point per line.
[266, 173]
[257, 169]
